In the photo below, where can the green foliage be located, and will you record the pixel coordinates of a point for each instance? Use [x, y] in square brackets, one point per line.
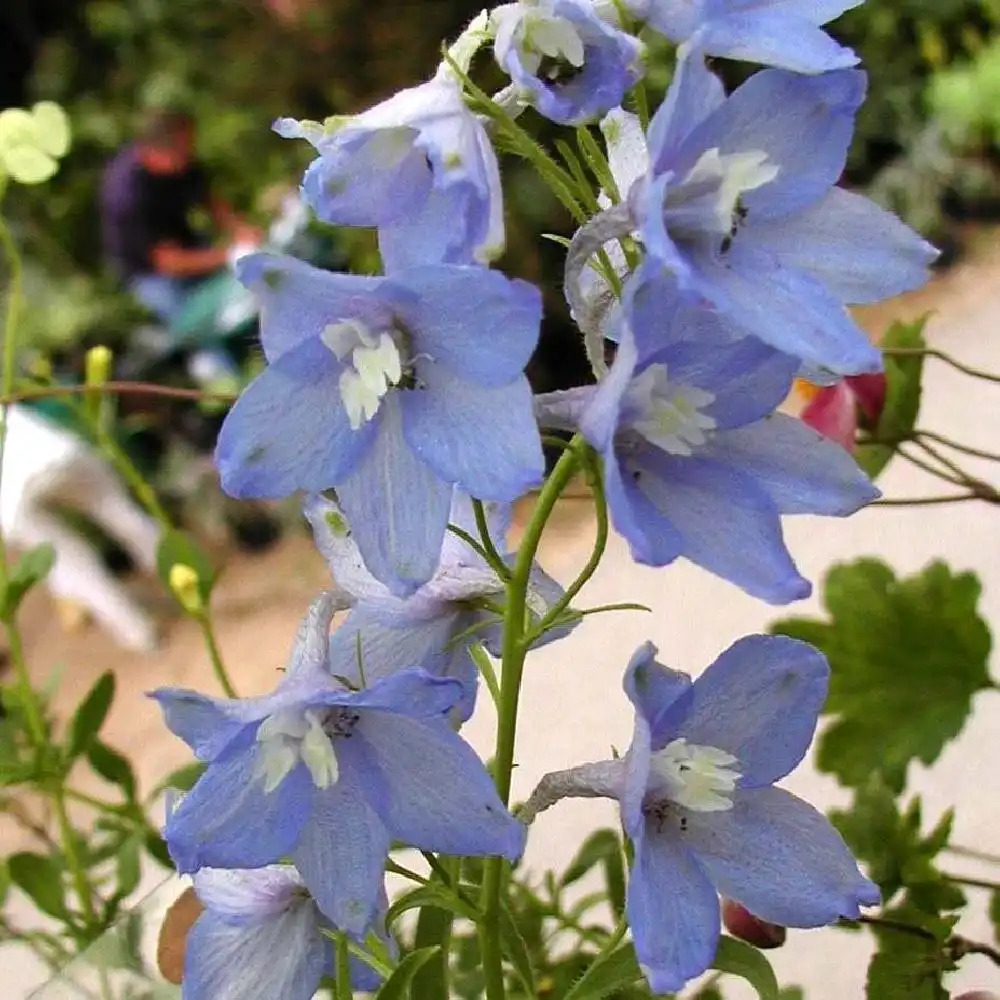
[40, 878]
[904, 376]
[966, 97]
[909, 965]
[179, 548]
[90, 716]
[897, 855]
[30, 569]
[736, 958]
[913, 648]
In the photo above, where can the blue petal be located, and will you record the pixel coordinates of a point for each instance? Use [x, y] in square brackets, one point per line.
[600, 418]
[803, 124]
[478, 323]
[799, 469]
[366, 178]
[337, 546]
[341, 853]
[282, 956]
[228, 821]
[453, 426]
[299, 301]
[389, 645]
[201, 722]
[672, 909]
[797, 315]
[413, 692]
[208, 725]
[248, 894]
[759, 701]
[859, 251]
[729, 524]
[694, 95]
[440, 228]
[396, 506]
[436, 794]
[289, 430]
[656, 692]
[653, 540]
[781, 859]
[774, 38]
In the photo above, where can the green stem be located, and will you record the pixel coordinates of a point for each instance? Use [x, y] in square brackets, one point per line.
[343, 990]
[928, 468]
[218, 667]
[601, 957]
[124, 467]
[925, 501]
[965, 449]
[15, 296]
[98, 804]
[67, 836]
[596, 483]
[973, 883]
[933, 352]
[493, 556]
[972, 852]
[512, 666]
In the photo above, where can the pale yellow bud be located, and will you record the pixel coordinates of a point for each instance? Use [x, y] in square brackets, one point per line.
[184, 584]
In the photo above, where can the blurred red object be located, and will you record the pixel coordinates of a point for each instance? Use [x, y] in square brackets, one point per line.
[742, 924]
[835, 411]
[288, 11]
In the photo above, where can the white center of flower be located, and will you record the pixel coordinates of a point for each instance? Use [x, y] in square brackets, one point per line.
[545, 35]
[731, 175]
[289, 736]
[698, 778]
[372, 366]
[670, 413]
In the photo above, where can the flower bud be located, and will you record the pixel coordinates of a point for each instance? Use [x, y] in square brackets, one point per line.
[742, 924]
[173, 935]
[978, 995]
[184, 584]
[97, 366]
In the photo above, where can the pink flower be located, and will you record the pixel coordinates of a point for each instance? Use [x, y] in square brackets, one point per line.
[836, 411]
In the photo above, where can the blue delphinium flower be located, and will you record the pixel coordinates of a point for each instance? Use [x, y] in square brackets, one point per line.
[329, 776]
[389, 389]
[260, 935]
[564, 59]
[433, 627]
[697, 799]
[419, 167]
[739, 205]
[782, 33]
[696, 461]
[699, 803]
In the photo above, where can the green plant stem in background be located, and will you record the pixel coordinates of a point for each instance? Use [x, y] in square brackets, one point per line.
[343, 989]
[515, 647]
[78, 873]
[15, 294]
[933, 352]
[218, 667]
[602, 956]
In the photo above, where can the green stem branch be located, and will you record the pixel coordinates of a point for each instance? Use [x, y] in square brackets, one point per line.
[214, 654]
[933, 352]
[512, 666]
[67, 837]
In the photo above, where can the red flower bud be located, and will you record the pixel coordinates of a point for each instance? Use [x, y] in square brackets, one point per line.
[832, 413]
[742, 924]
[869, 393]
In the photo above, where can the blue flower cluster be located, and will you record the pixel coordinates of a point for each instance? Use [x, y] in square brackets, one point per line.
[718, 269]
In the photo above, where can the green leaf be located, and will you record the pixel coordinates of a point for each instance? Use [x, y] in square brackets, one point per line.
[516, 950]
[112, 766]
[90, 716]
[913, 649]
[592, 852]
[128, 867]
[607, 975]
[994, 914]
[740, 959]
[5, 881]
[177, 547]
[396, 986]
[433, 928]
[39, 878]
[902, 398]
[33, 566]
[182, 780]
[431, 895]
[910, 966]
[895, 852]
[791, 993]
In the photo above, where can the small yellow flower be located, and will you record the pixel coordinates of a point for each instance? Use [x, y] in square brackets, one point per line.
[32, 142]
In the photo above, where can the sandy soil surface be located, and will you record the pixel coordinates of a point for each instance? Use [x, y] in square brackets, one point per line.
[573, 708]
